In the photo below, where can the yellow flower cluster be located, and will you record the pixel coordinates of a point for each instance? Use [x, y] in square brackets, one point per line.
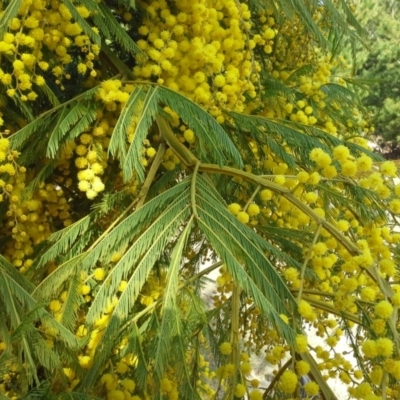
[203, 51]
[41, 39]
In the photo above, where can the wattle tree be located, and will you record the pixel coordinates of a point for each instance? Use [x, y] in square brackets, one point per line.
[145, 145]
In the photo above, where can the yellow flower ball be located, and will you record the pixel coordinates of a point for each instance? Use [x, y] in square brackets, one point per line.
[256, 395]
[98, 186]
[243, 217]
[99, 274]
[91, 194]
[189, 136]
[240, 390]
[311, 388]
[342, 225]
[55, 306]
[302, 344]
[151, 152]
[341, 153]
[384, 347]
[255, 383]
[122, 367]
[383, 309]
[369, 348]
[303, 176]
[388, 168]
[302, 368]
[225, 348]
[85, 289]
[306, 311]
[364, 163]
[245, 368]
[378, 326]
[122, 286]
[85, 362]
[368, 294]
[394, 206]
[396, 299]
[84, 186]
[349, 168]
[253, 210]
[314, 178]
[266, 195]
[288, 381]
[116, 395]
[219, 81]
[376, 375]
[166, 385]
[128, 384]
[234, 208]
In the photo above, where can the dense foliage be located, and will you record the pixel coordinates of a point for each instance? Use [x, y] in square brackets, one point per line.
[146, 144]
[377, 68]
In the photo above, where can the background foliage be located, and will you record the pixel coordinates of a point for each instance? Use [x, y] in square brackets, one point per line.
[378, 64]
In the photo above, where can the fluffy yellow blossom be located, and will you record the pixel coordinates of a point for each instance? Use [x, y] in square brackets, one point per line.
[364, 163]
[266, 195]
[234, 208]
[240, 390]
[243, 217]
[383, 309]
[306, 311]
[341, 153]
[302, 344]
[384, 347]
[288, 381]
[394, 206]
[245, 368]
[99, 274]
[368, 294]
[349, 168]
[314, 178]
[253, 210]
[369, 348]
[388, 168]
[311, 388]
[302, 368]
[225, 348]
[321, 158]
[256, 395]
[189, 136]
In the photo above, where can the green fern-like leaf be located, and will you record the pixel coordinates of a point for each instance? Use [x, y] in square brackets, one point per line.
[232, 241]
[214, 143]
[118, 142]
[171, 324]
[66, 118]
[117, 32]
[133, 158]
[135, 265]
[9, 13]
[82, 22]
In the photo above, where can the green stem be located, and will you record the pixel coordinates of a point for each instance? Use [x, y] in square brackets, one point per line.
[151, 174]
[138, 200]
[235, 356]
[384, 384]
[193, 190]
[307, 259]
[285, 192]
[252, 197]
[323, 305]
[276, 377]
